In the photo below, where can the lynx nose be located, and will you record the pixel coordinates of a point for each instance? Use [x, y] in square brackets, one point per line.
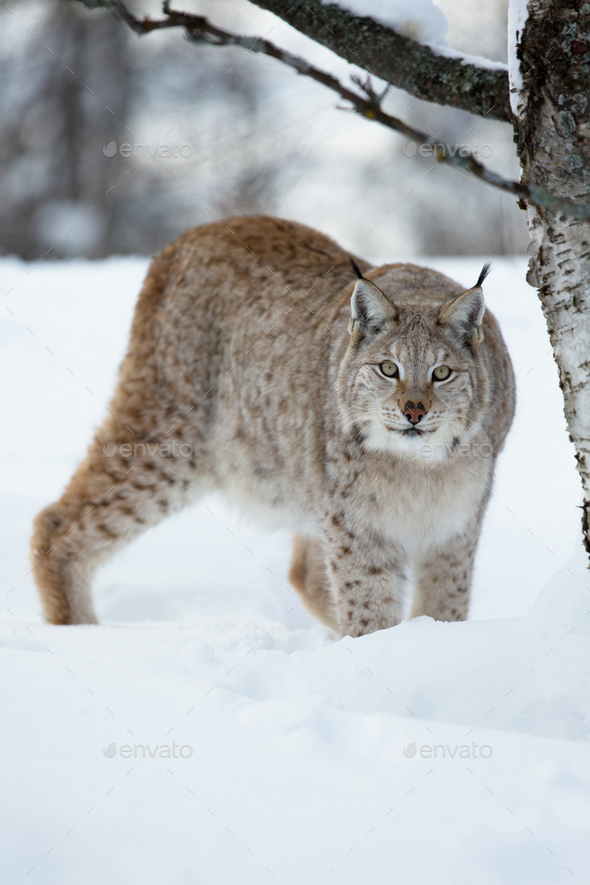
[414, 412]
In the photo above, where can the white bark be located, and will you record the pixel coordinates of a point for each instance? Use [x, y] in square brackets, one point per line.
[553, 135]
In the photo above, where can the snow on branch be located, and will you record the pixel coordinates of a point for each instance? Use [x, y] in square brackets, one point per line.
[366, 102]
[432, 73]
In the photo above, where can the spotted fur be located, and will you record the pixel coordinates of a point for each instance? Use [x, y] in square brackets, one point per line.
[254, 342]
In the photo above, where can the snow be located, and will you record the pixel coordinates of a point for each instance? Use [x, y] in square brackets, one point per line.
[420, 20]
[517, 16]
[297, 767]
[477, 60]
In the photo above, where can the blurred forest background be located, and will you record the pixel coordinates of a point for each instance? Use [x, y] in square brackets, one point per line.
[260, 139]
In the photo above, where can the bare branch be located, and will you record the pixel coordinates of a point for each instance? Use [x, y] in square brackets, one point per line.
[402, 62]
[367, 105]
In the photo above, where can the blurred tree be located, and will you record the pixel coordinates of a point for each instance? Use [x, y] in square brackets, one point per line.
[258, 145]
[73, 84]
[53, 187]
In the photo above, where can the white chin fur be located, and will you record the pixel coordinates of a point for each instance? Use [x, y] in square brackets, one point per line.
[424, 449]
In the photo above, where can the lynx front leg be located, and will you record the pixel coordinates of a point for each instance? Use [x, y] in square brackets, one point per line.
[443, 579]
[368, 576]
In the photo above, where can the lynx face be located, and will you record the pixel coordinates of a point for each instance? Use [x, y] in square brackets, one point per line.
[409, 383]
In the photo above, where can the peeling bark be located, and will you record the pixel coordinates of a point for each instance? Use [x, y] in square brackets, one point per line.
[553, 143]
[398, 60]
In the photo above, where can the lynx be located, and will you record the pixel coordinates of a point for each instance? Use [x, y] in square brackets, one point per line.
[364, 411]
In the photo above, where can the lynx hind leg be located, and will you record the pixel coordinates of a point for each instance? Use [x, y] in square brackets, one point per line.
[443, 580]
[308, 576]
[108, 502]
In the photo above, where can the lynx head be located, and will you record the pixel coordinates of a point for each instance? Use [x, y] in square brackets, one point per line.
[413, 379]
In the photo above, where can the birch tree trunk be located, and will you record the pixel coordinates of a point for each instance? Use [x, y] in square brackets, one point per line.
[553, 143]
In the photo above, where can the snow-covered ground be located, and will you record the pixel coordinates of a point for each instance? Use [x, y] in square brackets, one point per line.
[265, 750]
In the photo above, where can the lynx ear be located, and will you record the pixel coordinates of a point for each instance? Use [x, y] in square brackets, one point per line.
[369, 307]
[464, 315]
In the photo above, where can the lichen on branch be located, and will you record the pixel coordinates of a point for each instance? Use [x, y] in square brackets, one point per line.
[400, 61]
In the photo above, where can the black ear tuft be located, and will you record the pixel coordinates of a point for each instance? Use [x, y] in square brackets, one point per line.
[484, 272]
[355, 268]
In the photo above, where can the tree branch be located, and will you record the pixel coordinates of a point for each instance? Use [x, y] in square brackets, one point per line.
[402, 62]
[368, 104]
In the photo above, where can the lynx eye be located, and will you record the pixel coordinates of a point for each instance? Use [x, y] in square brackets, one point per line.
[441, 373]
[389, 369]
